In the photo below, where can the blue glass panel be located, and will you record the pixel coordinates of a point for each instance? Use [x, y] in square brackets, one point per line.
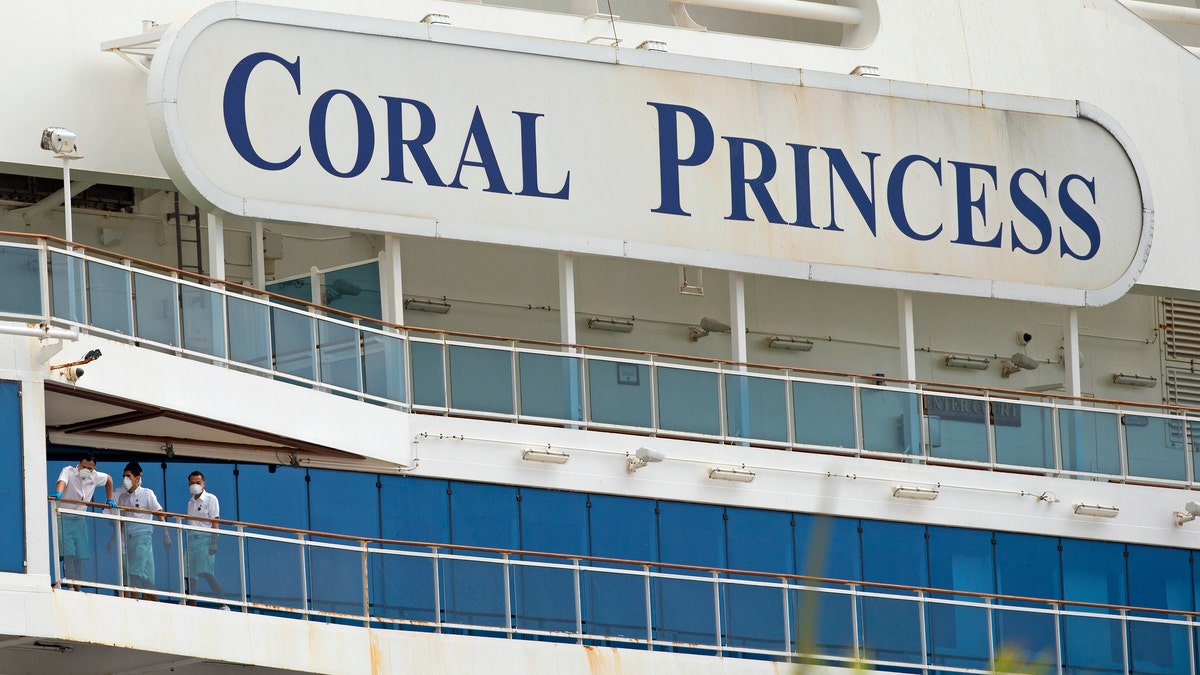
[619, 393]
[688, 401]
[958, 427]
[340, 502]
[338, 346]
[554, 522]
[627, 528]
[1029, 439]
[92, 562]
[413, 509]
[893, 553]
[67, 287]
[829, 548]
[300, 289]
[756, 407]
[1155, 447]
[156, 309]
[109, 297]
[220, 482]
[428, 374]
[355, 290]
[689, 534]
[1093, 571]
[481, 379]
[823, 414]
[249, 332]
[383, 366]
[551, 386]
[1089, 441]
[274, 570]
[754, 615]
[891, 421]
[1159, 577]
[12, 501]
[480, 515]
[292, 343]
[961, 560]
[203, 321]
[21, 291]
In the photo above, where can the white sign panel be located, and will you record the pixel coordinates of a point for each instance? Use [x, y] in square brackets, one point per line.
[282, 114]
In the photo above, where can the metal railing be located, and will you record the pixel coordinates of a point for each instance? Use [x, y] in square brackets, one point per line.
[622, 603]
[576, 386]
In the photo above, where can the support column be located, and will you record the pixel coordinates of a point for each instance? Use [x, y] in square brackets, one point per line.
[216, 245]
[908, 354]
[737, 316]
[391, 286]
[566, 299]
[1071, 360]
[258, 263]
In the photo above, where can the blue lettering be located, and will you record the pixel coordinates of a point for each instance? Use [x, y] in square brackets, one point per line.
[1032, 212]
[234, 105]
[966, 232]
[841, 166]
[758, 185]
[1079, 216]
[803, 185]
[416, 145]
[895, 195]
[320, 143]
[669, 160]
[529, 170]
[487, 157]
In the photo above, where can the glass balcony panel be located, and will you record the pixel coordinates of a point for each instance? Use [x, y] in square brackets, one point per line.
[1026, 436]
[156, 307]
[544, 598]
[958, 427]
[958, 636]
[1092, 645]
[292, 343]
[756, 407]
[473, 592]
[275, 573]
[754, 617]
[1158, 648]
[1155, 446]
[481, 379]
[150, 564]
[355, 290]
[614, 604]
[684, 610]
[823, 622]
[203, 320]
[1025, 639]
[340, 359]
[249, 332]
[688, 401]
[428, 374]
[299, 288]
[402, 587]
[67, 284]
[383, 366]
[1089, 441]
[83, 548]
[891, 420]
[109, 297]
[891, 630]
[619, 393]
[551, 386]
[21, 292]
[335, 580]
[212, 565]
[823, 414]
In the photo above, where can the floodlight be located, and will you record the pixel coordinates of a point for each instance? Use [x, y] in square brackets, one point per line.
[1134, 380]
[1096, 510]
[913, 492]
[431, 306]
[547, 456]
[734, 475]
[968, 362]
[611, 325]
[793, 344]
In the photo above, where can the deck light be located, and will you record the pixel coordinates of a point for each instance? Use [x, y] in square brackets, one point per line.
[735, 475]
[794, 344]
[1096, 510]
[913, 492]
[968, 362]
[1134, 380]
[611, 325]
[431, 306]
[547, 456]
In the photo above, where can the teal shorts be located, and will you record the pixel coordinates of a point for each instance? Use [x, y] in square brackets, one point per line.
[73, 536]
[199, 560]
[139, 559]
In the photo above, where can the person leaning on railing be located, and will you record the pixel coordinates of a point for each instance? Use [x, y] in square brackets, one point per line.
[139, 554]
[77, 484]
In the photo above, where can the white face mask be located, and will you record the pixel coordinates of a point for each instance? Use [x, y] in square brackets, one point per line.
[196, 488]
[85, 473]
[128, 484]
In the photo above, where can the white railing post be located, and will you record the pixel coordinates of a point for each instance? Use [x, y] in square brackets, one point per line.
[508, 609]
[303, 574]
[366, 581]
[437, 591]
[56, 572]
[578, 603]
[241, 535]
[649, 621]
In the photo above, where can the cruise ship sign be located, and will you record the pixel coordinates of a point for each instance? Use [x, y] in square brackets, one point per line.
[282, 114]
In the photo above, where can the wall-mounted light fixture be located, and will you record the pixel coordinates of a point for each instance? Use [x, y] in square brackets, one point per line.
[1188, 514]
[968, 362]
[547, 456]
[1096, 510]
[431, 306]
[707, 325]
[794, 344]
[1134, 380]
[611, 325]
[735, 475]
[641, 457]
[913, 492]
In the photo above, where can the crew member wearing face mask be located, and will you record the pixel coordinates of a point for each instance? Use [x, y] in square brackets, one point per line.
[78, 484]
[139, 554]
[202, 546]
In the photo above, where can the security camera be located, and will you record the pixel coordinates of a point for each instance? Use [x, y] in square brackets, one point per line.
[73, 374]
[1023, 361]
[713, 326]
[1193, 508]
[643, 456]
[1188, 514]
[58, 140]
[1024, 338]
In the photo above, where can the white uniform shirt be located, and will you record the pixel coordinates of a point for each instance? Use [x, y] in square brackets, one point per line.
[140, 498]
[80, 489]
[205, 505]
